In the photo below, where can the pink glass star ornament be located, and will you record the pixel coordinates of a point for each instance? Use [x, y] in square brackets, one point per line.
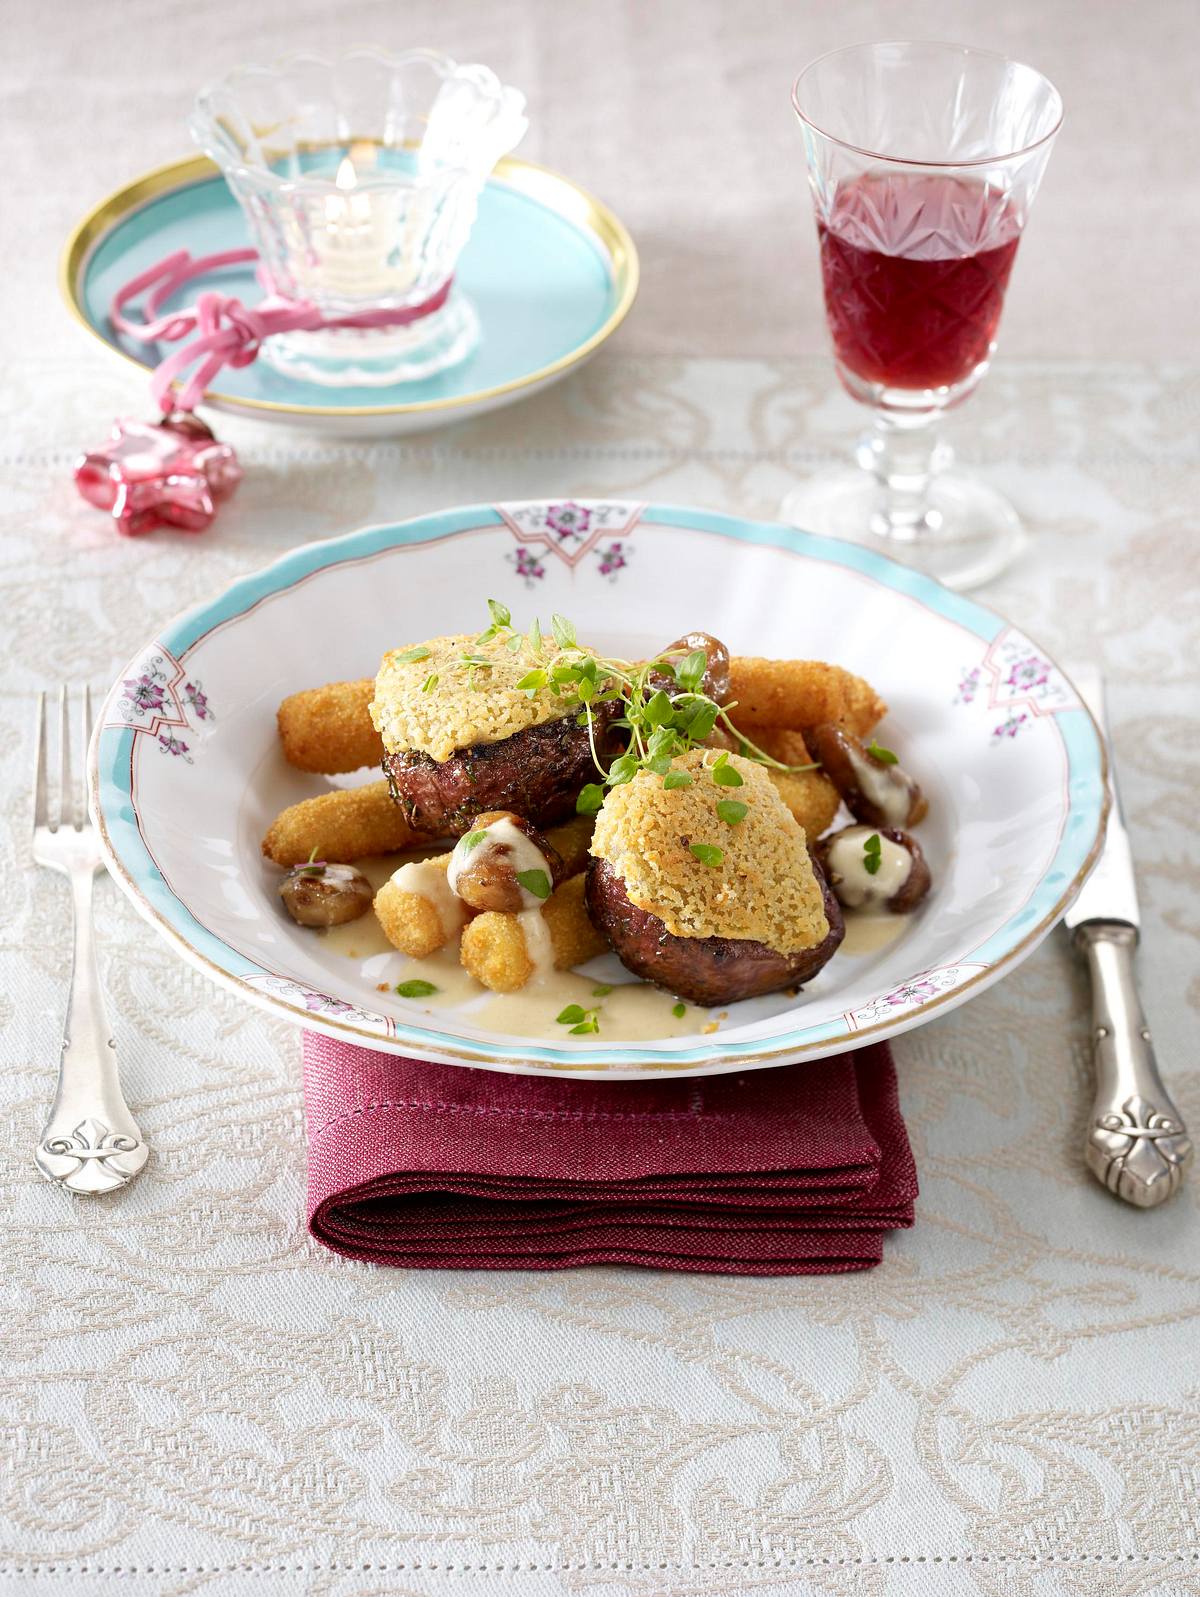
[170, 473]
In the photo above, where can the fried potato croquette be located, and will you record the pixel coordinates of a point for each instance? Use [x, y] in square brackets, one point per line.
[495, 950]
[797, 693]
[342, 826]
[810, 795]
[418, 912]
[329, 729]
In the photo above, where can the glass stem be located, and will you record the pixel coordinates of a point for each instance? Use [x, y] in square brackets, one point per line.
[903, 453]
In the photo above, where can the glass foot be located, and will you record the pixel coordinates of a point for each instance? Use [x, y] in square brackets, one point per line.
[378, 357]
[967, 535]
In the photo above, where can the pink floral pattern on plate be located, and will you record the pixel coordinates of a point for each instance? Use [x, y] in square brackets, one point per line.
[568, 529]
[613, 558]
[322, 1004]
[1017, 680]
[160, 699]
[528, 567]
[913, 994]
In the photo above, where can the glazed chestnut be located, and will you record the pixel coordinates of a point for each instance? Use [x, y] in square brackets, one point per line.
[892, 874]
[503, 863]
[879, 792]
[318, 894]
[715, 681]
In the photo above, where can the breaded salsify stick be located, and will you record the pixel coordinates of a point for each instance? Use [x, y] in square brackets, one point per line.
[495, 950]
[419, 914]
[329, 729]
[799, 693]
[342, 826]
[810, 795]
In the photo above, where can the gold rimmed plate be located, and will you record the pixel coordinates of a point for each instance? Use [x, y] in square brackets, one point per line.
[551, 271]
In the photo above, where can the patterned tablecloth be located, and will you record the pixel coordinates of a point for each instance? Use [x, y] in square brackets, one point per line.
[199, 1399]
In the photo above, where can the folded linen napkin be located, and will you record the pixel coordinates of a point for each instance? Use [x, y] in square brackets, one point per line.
[798, 1169]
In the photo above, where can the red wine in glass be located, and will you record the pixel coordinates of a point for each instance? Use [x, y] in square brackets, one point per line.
[915, 265]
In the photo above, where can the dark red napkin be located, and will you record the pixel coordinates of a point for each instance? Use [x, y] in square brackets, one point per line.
[794, 1170]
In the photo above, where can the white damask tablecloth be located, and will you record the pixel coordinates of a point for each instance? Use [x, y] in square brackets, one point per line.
[197, 1398]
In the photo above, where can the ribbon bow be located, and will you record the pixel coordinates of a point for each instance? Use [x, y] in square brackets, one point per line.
[228, 333]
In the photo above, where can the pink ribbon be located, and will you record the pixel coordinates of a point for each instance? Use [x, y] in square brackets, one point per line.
[228, 333]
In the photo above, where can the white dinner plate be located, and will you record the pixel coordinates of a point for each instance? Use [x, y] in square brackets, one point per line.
[186, 772]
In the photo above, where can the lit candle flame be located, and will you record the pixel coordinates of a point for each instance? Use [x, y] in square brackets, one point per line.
[347, 177]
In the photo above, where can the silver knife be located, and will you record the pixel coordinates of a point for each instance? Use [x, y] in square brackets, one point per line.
[1137, 1143]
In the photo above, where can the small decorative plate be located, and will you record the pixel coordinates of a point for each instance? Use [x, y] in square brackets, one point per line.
[550, 270]
[186, 772]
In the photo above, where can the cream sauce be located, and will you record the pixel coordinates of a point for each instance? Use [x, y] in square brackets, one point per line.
[884, 786]
[428, 881]
[538, 943]
[853, 884]
[507, 843]
[631, 1012]
[333, 873]
[867, 931]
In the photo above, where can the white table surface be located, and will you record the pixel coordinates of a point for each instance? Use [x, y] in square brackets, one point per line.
[197, 1398]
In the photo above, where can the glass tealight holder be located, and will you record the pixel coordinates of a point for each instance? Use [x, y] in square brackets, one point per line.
[360, 179]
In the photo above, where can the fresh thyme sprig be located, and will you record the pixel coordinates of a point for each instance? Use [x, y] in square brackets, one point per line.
[661, 725]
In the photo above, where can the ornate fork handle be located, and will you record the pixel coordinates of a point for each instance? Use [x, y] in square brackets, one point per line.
[1138, 1145]
[91, 1142]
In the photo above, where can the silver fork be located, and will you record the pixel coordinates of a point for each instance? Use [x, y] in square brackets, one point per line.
[91, 1142]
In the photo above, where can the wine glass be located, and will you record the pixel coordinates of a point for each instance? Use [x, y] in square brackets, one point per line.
[923, 160]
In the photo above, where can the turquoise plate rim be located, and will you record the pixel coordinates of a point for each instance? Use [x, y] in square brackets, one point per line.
[126, 854]
[553, 189]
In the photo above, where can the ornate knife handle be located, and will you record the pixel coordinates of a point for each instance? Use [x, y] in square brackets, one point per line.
[1138, 1145]
[91, 1142]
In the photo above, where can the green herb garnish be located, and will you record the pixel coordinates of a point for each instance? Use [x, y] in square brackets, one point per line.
[872, 854]
[415, 988]
[679, 1010]
[662, 725]
[690, 672]
[429, 683]
[602, 991]
[313, 866]
[408, 656]
[732, 811]
[724, 774]
[501, 619]
[471, 840]
[535, 882]
[532, 681]
[579, 1020]
[878, 752]
[707, 854]
[564, 632]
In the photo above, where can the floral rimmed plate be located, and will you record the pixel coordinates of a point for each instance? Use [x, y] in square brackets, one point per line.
[186, 772]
